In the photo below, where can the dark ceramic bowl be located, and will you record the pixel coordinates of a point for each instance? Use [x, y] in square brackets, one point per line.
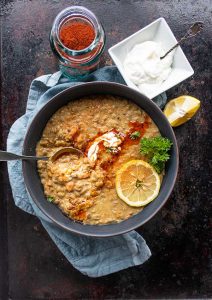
[32, 179]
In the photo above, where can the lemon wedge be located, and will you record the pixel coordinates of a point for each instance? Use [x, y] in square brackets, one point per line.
[137, 183]
[181, 109]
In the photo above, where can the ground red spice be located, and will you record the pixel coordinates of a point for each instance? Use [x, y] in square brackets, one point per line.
[77, 35]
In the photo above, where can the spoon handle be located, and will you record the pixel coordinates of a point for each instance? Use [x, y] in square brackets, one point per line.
[5, 156]
[193, 30]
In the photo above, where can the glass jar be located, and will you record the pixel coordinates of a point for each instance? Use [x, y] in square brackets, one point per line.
[77, 63]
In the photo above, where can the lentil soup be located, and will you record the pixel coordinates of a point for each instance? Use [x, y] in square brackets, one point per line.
[101, 126]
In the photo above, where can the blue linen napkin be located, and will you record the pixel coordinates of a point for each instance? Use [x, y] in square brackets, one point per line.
[94, 257]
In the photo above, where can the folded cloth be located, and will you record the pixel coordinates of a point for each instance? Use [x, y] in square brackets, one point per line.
[94, 257]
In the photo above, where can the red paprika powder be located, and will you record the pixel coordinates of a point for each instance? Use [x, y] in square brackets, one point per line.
[77, 35]
[77, 39]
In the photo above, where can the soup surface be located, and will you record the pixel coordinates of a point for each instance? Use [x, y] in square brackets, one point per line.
[102, 127]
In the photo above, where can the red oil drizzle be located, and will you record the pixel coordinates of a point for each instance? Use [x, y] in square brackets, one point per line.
[127, 141]
[136, 126]
[107, 164]
[81, 215]
[75, 136]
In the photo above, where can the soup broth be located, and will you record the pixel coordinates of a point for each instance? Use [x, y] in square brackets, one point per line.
[102, 127]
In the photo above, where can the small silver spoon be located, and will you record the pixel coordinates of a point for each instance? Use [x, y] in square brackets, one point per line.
[66, 150]
[193, 30]
[6, 156]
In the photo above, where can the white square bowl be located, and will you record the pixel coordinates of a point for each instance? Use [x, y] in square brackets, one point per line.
[158, 31]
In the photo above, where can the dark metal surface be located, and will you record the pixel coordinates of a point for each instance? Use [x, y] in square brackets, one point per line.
[180, 234]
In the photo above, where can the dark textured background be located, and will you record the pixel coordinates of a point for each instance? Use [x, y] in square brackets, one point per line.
[179, 235]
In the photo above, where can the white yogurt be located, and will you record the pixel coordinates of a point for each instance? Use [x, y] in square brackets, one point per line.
[110, 140]
[144, 67]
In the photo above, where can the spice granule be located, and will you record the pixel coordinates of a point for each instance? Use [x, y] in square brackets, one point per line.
[77, 35]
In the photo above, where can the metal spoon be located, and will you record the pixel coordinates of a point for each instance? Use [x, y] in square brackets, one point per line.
[6, 156]
[193, 30]
[66, 150]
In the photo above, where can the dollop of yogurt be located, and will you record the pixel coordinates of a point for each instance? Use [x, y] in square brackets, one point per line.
[110, 140]
[144, 67]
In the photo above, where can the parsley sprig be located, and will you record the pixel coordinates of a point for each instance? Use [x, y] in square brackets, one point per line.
[135, 135]
[50, 199]
[156, 149]
[112, 150]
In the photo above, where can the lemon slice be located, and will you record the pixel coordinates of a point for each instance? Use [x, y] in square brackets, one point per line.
[137, 183]
[181, 109]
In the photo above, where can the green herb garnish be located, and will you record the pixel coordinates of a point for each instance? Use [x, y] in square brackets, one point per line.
[108, 150]
[50, 199]
[112, 150]
[156, 149]
[135, 135]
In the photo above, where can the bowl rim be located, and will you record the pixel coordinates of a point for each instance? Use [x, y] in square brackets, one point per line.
[103, 234]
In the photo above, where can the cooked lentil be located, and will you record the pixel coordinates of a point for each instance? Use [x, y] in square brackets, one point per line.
[83, 189]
